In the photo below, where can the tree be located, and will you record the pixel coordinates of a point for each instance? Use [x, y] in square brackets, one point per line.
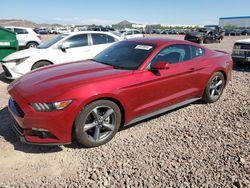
[229, 26]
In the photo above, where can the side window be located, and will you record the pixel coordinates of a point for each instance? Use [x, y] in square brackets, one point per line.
[197, 52]
[99, 39]
[136, 32]
[173, 54]
[110, 39]
[129, 33]
[77, 41]
[20, 31]
[102, 39]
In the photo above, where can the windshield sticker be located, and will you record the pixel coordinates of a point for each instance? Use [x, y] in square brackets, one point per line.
[143, 47]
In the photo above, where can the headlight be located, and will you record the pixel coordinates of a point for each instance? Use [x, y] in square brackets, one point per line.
[48, 107]
[18, 61]
[236, 46]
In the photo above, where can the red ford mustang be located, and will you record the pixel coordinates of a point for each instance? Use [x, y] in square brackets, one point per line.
[130, 81]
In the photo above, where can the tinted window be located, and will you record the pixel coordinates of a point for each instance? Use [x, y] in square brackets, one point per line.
[129, 33]
[20, 31]
[102, 39]
[125, 55]
[173, 54]
[77, 41]
[110, 39]
[137, 32]
[197, 52]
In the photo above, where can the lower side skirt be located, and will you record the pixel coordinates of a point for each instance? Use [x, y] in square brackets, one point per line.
[172, 107]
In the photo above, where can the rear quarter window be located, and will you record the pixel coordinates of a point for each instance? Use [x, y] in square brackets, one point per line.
[102, 39]
[197, 52]
[20, 31]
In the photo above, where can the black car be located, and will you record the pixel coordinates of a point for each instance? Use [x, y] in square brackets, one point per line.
[205, 35]
[245, 32]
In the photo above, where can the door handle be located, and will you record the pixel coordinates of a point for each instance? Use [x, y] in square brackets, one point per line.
[192, 69]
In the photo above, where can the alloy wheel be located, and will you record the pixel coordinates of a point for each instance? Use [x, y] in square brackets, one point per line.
[216, 87]
[100, 123]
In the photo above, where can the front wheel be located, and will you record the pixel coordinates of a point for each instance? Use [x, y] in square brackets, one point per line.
[40, 64]
[214, 88]
[97, 123]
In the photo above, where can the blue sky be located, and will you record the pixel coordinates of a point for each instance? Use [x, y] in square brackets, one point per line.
[112, 11]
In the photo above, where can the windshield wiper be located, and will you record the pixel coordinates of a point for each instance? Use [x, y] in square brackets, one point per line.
[114, 66]
[100, 62]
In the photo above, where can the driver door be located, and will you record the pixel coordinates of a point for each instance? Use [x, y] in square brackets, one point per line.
[176, 84]
[75, 48]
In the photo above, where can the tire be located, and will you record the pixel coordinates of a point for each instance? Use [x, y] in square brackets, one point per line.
[32, 45]
[100, 129]
[214, 88]
[206, 41]
[40, 64]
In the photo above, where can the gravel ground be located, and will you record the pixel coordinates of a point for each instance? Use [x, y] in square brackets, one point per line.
[200, 145]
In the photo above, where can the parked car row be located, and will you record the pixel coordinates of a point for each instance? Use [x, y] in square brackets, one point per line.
[236, 32]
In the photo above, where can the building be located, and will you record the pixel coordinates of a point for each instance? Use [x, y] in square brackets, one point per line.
[238, 22]
[174, 26]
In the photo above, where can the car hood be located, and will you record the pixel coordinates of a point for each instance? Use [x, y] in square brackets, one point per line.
[244, 41]
[43, 84]
[22, 54]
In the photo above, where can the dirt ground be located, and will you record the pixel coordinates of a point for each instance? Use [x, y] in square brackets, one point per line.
[199, 145]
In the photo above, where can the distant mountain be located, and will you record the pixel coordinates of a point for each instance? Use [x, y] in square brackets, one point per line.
[124, 22]
[25, 23]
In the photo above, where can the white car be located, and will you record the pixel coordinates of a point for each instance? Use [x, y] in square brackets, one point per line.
[62, 48]
[133, 33]
[27, 37]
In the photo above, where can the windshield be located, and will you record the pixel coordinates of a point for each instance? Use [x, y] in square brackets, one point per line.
[50, 42]
[125, 55]
[203, 30]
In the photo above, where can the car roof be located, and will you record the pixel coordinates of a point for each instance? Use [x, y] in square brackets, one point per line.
[18, 27]
[84, 32]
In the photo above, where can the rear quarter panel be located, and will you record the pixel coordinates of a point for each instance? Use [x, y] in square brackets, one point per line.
[213, 62]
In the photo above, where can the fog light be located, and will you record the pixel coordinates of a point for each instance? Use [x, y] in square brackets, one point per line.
[42, 133]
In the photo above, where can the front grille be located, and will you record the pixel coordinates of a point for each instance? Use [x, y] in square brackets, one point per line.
[6, 71]
[18, 109]
[243, 46]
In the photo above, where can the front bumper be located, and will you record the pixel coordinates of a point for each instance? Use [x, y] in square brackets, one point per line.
[11, 71]
[241, 58]
[43, 128]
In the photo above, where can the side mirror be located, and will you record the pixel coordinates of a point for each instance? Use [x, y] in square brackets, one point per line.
[160, 65]
[64, 46]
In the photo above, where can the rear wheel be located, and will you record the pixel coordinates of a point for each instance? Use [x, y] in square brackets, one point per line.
[214, 88]
[206, 41]
[97, 123]
[32, 45]
[40, 64]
